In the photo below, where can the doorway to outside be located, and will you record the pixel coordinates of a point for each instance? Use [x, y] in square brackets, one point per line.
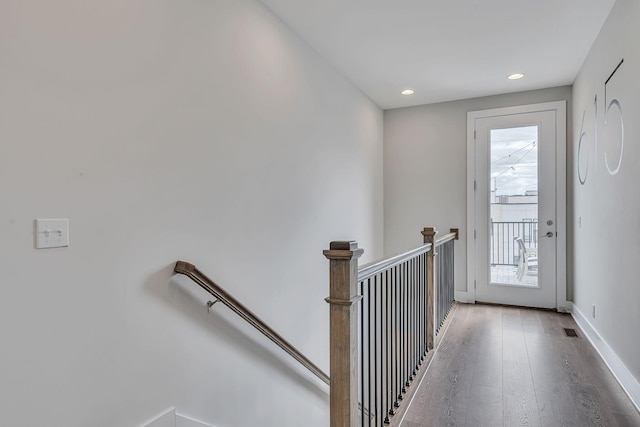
[516, 205]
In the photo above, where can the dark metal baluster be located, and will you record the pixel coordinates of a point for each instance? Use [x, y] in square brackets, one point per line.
[416, 306]
[420, 309]
[513, 230]
[441, 286]
[492, 236]
[426, 299]
[403, 333]
[375, 349]
[385, 377]
[379, 353]
[441, 282]
[369, 382]
[398, 333]
[394, 358]
[379, 356]
[436, 290]
[407, 333]
[436, 285]
[416, 335]
[410, 313]
[449, 276]
[445, 266]
[423, 304]
[425, 307]
[453, 271]
[517, 233]
[362, 356]
[409, 324]
[428, 272]
[389, 371]
[501, 239]
[417, 317]
[413, 305]
[394, 335]
[445, 283]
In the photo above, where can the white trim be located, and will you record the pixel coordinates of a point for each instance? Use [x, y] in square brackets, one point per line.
[627, 381]
[171, 418]
[560, 108]
[471, 208]
[182, 421]
[561, 205]
[166, 418]
[464, 297]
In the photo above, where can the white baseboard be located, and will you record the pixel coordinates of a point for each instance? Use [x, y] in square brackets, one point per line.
[169, 418]
[182, 421]
[464, 297]
[627, 381]
[165, 419]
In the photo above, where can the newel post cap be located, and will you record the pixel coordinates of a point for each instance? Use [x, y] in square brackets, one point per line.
[343, 250]
[429, 231]
[429, 234]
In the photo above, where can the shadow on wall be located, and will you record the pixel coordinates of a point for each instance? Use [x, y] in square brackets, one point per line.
[181, 294]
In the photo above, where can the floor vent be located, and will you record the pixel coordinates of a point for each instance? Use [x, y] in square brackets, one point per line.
[570, 332]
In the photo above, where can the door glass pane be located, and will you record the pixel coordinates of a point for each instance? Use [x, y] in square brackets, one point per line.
[513, 201]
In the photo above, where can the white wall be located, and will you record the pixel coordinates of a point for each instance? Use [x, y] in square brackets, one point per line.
[425, 168]
[164, 130]
[607, 245]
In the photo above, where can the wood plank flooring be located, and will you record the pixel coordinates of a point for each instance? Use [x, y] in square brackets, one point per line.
[506, 366]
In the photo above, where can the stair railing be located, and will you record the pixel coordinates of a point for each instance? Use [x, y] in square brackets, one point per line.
[382, 324]
[225, 298]
[444, 277]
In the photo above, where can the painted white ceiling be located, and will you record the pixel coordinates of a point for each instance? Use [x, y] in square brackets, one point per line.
[447, 49]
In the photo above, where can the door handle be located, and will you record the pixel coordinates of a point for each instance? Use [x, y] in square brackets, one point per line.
[548, 234]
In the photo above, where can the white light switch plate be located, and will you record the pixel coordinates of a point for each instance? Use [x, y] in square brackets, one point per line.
[52, 233]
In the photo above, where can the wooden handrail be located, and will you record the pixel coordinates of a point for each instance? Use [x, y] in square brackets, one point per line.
[452, 235]
[224, 297]
[373, 268]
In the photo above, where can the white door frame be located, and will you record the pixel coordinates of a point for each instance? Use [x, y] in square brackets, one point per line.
[560, 109]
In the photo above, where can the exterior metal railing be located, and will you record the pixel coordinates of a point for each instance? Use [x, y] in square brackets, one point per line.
[504, 250]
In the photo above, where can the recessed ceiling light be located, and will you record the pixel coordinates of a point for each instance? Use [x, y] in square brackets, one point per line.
[515, 76]
[407, 92]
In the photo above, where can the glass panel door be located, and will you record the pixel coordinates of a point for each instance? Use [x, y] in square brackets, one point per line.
[515, 209]
[513, 201]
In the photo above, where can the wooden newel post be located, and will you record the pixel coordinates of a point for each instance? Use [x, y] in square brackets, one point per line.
[343, 358]
[429, 234]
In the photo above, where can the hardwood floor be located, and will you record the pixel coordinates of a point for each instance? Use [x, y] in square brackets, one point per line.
[506, 366]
